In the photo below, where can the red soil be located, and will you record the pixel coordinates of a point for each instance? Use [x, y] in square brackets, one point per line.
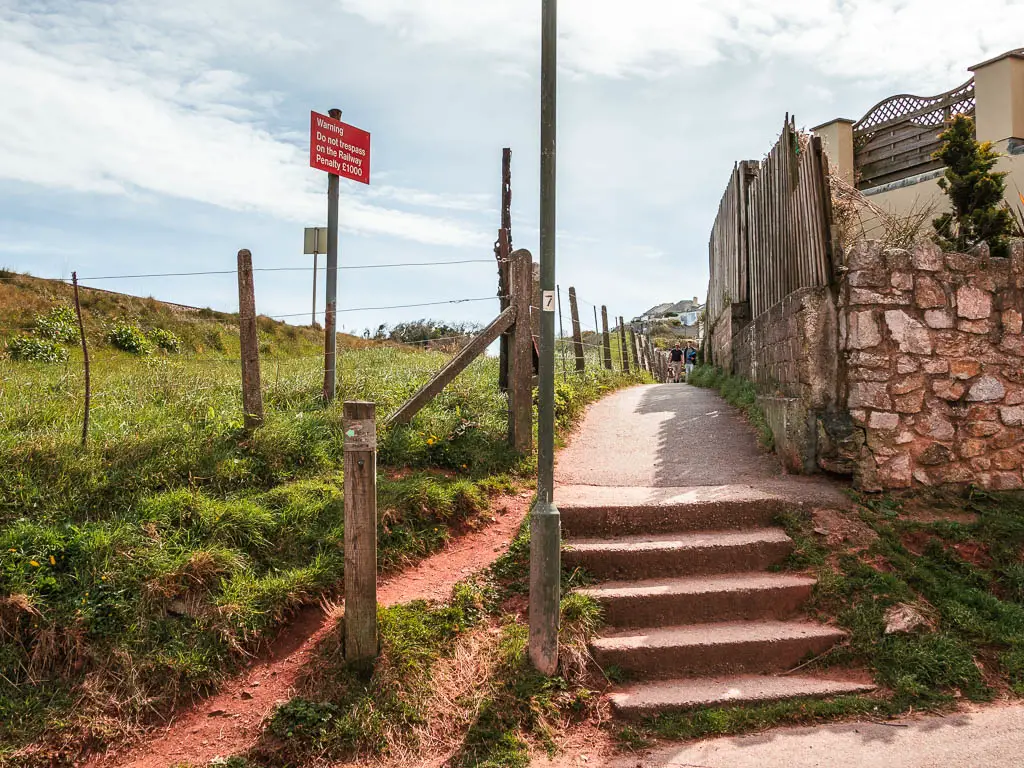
[230, 721]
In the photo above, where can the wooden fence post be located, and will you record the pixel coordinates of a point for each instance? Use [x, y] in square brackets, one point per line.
[360, 466]
[502, 250]
[637, 357]
[577, 333]
[607, 341]
[252, 396]
[622, 345]
[85, 358]
[520, 393]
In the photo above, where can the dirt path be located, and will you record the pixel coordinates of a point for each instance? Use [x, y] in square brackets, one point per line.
[229, 722]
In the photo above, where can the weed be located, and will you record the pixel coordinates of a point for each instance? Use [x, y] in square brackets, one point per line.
[59, 325]
[129, 338]
[164, 340]
[36, 350]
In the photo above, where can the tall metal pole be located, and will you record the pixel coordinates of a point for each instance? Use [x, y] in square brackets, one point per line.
[330, 311]
[545, 528]
[315, 265]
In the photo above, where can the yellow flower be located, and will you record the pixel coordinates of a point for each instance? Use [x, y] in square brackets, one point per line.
[52, 561]
[12, 549]
[464, 466]
[33, 563]
[430, 441]
[103, 578]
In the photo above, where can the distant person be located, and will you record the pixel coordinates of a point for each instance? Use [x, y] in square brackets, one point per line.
[690, 356]
[675, 363]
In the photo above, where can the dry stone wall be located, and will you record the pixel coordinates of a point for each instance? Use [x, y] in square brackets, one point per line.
[933, 363]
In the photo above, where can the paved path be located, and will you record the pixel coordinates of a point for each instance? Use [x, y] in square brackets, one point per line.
[991, 738]
[675, 435]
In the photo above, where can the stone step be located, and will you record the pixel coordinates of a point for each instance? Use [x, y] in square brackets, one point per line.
[692, 600]
[666, 696]
[590, 511]
[714, 649]
[682, 554]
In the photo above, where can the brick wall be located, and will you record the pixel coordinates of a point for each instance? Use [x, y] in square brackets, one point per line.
[934, 366]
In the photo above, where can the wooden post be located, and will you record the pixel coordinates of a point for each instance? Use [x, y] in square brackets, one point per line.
[607, 340]
[520, 393]
[577, 333]
[85, 358]
[360, 449]
[561, 334]
[502, 250]
[622, 345]
[252, 396]
[637, 357]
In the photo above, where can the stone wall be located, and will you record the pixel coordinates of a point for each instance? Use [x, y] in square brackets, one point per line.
[933, 363]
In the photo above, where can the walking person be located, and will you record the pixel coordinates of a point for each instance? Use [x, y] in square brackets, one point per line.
[675, 363]
[690, 358]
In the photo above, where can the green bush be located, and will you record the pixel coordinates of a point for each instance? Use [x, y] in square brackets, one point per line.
[129, 338]
[165, 340]
[60, 325]
[36, 350]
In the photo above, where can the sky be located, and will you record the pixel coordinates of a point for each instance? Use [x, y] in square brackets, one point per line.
[142, 137]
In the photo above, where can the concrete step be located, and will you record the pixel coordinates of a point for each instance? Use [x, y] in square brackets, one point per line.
[691, 600]
[665, 696]
[714, 649]
[682, 554]
[590, 511]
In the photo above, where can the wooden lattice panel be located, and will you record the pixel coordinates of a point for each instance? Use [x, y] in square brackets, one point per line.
[897, 137]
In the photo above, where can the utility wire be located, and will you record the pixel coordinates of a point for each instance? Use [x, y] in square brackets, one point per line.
[260, 269]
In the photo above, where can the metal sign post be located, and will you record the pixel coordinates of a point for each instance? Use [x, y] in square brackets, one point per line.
[315, 243]
[341, 150]
[545, 523]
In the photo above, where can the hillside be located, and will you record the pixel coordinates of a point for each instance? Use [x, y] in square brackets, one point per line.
[23, 299]
[141, 570]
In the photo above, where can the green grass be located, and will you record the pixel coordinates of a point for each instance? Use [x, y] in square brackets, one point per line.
[343, 713]
[737, 391]
[148, 565]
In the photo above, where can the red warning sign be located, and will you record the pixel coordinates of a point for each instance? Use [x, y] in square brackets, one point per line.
[339, 148]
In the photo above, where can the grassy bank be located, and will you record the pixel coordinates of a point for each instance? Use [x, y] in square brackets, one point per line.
[452, 680]
[737, 391]
[137, 572]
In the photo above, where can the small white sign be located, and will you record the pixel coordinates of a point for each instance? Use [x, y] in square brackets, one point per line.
[548, 301]
[315, 240]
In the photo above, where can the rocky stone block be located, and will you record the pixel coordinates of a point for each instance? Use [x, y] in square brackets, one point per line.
[983, 428]
[902, 281]
[902, 386]
[938, 318]
[905, 364]
[869, 278]
[936, 426]
[1013, 321]
[927, 257]
[1014, 396]
[974, 326]
[987, 389]
[1008, 459]
[863, 331]
[1005, 481]
[883, 420]
[928, 293]
[909, 333]
[934, 366]
[948, 390]
[868, 360]
[973, 303]
[935, 454]
[865, 394]
[972, 448]
[864, 296]
[898, 259]
[964, 369]
[1012, 416]
[912, 402]
[896, 473]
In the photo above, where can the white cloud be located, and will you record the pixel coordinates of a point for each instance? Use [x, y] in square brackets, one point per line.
[115, 113]
[860, 39]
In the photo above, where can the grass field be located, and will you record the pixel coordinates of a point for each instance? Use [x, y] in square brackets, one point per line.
[137, 572]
